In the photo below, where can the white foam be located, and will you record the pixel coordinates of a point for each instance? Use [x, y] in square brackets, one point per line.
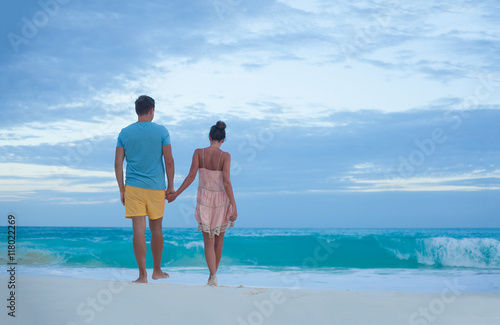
[194, 244]
[463, 252]
[416, 280]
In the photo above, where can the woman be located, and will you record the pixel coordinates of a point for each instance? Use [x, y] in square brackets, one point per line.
[216, 207]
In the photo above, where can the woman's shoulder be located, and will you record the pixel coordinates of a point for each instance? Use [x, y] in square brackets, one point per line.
[225, 156]
[198, 151]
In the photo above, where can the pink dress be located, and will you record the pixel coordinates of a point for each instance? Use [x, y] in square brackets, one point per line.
[213, 208]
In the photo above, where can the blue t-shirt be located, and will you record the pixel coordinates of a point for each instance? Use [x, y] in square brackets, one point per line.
[143, 145]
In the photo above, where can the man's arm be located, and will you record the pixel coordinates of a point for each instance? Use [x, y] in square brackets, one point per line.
[169, 167]
[119, 157]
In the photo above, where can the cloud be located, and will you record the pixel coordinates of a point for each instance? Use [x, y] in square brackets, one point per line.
[473, 181]
[258, 51]
[45, 171]
[20, 181]
[73, 201]
[60, 132]
[321, 96]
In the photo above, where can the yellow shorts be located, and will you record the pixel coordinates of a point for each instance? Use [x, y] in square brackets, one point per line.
[144, 202]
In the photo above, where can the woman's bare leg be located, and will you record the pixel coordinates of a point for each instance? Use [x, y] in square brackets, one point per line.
[139, 241]
[210, 255]
[219, 240]
[157, 248]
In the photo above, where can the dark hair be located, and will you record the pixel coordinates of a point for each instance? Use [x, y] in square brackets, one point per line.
[218, 131]
[143, 104]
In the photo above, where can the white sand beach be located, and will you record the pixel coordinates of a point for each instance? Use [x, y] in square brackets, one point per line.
[46, 300]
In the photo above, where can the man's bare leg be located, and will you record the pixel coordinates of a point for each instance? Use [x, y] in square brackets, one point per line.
[157, 247]
[139, 240]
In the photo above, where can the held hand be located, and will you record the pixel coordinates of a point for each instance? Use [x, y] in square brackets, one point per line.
[171, 197]
[168, 192]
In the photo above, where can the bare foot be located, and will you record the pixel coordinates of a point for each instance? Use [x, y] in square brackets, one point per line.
[141, 279]
[212, 281]
[160, 275]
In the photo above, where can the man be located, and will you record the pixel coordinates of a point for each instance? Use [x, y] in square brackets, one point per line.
[143, 144]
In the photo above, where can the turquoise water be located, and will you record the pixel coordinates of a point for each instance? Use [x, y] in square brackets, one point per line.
[323, 252]
[307, 248]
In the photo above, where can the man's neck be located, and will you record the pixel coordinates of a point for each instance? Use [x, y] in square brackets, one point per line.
[144, 119]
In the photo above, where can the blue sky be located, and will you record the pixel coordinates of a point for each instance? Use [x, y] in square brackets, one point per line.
[339, 113]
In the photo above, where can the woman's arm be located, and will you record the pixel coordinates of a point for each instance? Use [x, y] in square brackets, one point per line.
[226, 177]
[189, 178]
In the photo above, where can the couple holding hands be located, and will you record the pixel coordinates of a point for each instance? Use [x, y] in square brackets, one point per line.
[145, 146]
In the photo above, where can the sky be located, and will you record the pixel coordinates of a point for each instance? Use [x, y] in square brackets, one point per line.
[338, 113]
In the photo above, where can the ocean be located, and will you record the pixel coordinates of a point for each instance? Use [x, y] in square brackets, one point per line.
[426, 260]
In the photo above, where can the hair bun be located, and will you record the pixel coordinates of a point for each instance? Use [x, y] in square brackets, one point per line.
[221, 125]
